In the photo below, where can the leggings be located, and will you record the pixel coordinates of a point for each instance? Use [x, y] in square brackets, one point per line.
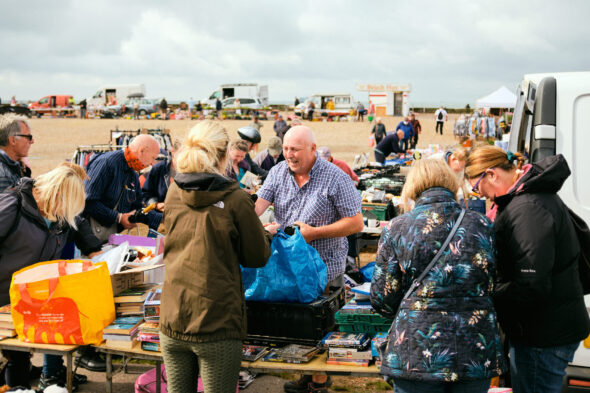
[218, 363]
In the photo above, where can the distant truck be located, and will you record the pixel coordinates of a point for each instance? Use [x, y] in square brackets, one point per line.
[239, 90]
[56, 104]
[343, 104]
[114, 94]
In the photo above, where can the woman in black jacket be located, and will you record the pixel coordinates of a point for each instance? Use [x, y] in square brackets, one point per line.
[35, 221]
[538, 295]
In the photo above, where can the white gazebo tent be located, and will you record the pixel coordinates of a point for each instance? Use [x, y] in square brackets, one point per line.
[501, 98]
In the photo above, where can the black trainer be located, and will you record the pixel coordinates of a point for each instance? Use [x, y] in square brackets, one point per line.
[60, 378]
[92, 361]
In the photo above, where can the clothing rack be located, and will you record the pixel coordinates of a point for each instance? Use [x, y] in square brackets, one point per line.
[84, 153]
[122, 138]
[475, 125]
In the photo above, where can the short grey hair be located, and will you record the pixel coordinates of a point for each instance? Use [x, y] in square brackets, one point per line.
[9, 126]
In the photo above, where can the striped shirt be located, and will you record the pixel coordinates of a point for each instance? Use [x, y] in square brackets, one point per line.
[327, 197]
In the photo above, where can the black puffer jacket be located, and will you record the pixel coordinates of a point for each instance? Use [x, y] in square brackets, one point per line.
[539, 296]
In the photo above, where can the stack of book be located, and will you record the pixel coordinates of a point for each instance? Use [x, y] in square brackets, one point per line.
[292, 353]
[130, 302]
[349, 349]
[148, 335]
[6, 325]
[252, 353]
[122, 333]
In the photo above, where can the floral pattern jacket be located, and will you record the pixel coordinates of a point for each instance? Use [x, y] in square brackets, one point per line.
[447, 329]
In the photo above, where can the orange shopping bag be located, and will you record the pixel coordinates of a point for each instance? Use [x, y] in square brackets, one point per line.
[62, 302]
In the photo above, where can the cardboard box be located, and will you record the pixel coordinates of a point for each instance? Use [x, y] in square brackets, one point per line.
[130, 278]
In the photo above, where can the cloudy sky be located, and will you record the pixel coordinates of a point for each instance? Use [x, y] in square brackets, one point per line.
[449, 51]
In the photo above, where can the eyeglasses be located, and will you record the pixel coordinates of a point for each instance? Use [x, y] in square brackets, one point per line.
[28, 136]
[475, 187]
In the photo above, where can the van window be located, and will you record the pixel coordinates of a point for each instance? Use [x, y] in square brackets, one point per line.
[342, 100]
[44, 100]
[216, 94]
[247, 101]
[522, 121]
[98, 94]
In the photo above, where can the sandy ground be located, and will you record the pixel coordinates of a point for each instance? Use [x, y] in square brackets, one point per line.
[55, 140]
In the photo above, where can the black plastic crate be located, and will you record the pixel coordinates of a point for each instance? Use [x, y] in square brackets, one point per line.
[310, 321]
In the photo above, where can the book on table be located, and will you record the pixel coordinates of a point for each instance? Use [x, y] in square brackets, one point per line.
[5, 314]
[6, 333]
[346, 340]
[252, 353]
[122, 344]
[349, 353]
[120, 337]
[348, 362]
[135, 294]
[292, 353]
[125, 309]
[123, 325]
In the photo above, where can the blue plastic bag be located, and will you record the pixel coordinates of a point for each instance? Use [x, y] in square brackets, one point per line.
[294, 273]
[367, 271]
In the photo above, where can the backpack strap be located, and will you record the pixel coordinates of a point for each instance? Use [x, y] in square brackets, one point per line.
[19, 203]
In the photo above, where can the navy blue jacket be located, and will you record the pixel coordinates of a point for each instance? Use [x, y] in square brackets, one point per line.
[109, 173]
[157, 182]
[389, 144]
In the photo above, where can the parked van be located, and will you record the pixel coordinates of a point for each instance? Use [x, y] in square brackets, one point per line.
[51, 104]
[343, 103]
[114, 94]
[241, 90]
[552, 116]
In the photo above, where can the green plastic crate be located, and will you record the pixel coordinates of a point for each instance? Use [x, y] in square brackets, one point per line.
[362, 323]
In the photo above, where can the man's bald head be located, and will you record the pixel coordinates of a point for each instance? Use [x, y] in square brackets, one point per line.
[302, 134]
[146, 148]
[299, 149]
[400, 134]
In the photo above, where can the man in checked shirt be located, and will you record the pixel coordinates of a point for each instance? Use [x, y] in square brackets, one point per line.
[320, 198]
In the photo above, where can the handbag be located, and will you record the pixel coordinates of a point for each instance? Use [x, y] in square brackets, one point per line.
[103, 232]
[382, 348]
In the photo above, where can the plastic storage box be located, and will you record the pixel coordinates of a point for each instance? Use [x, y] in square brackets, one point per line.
[362, 323]
[293, 321]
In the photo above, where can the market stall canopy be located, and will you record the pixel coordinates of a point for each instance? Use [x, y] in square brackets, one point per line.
[501, 98]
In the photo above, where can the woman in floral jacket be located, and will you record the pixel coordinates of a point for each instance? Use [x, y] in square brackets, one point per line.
[445, 336]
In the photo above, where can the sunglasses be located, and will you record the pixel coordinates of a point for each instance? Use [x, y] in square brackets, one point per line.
[28, 136]
[475, 187]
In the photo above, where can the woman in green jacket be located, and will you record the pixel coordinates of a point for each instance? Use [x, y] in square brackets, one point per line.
[212, 230]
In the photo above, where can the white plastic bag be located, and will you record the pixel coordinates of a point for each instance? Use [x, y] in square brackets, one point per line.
[115, 257]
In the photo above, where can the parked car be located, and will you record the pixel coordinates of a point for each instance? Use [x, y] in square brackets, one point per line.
[147, 106]
[250, 103]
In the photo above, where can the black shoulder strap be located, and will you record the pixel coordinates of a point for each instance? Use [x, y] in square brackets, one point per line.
[19, 203]
[418, 281]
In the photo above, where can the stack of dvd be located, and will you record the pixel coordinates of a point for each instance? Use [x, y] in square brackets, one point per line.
[348, 349]
[148, 331]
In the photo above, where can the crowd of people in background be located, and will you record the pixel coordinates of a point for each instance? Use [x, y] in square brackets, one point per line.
[514, 268]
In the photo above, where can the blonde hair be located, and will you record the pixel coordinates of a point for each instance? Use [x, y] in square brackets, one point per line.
[486, 157]
[204, 148]
[426, 174]
[61, 192]
[239, 144]
[460, 154]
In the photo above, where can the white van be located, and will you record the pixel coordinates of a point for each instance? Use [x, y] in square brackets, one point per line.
[552, 116]
[343, 103]
[241, 90]
[114, 94]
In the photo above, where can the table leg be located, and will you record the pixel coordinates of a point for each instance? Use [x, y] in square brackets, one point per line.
[69, 371]
[109, 359]
[158, 375]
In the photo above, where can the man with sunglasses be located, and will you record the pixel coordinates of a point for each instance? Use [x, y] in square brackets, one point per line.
[15, 141]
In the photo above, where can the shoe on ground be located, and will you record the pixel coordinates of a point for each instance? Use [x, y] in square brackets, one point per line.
[61, 379]
[317, 387]
[92, 362]
[305, 384]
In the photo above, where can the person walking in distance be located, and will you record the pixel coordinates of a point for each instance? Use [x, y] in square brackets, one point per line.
[440, 116]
